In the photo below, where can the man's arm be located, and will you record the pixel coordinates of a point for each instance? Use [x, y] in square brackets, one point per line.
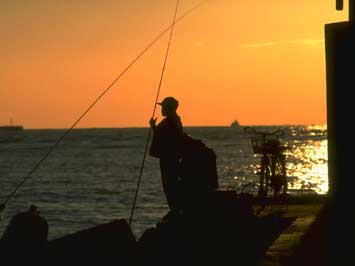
[153, 123]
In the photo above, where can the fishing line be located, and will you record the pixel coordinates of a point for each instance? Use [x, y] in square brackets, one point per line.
[154, 108]
[3, 205]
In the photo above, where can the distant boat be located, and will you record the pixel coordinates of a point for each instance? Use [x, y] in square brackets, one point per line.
[11, 127]
[235, 123]
[11, 133]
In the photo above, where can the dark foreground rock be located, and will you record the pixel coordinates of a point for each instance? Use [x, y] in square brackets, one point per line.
[222, 230]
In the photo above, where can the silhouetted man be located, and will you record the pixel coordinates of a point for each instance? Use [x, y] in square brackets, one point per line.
[166, 145]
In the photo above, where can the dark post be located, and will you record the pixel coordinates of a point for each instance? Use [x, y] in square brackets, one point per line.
[340, 6]
[340, 70]
[340, 80]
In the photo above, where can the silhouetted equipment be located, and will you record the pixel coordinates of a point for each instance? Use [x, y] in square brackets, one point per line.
[340, 79]
[105, 243]
[25, 236]
[27, 228]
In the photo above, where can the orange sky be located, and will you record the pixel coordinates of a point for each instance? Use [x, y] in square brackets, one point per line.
[262, 62]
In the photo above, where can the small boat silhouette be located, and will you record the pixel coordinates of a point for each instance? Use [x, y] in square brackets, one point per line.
[235, 123]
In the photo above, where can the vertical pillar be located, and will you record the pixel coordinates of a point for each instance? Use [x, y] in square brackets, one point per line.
[340, 80]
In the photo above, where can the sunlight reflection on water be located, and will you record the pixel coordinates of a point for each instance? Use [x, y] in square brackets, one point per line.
[312, 172]
[307, 165]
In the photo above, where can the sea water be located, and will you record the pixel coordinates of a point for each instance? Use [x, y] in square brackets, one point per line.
[91, 177]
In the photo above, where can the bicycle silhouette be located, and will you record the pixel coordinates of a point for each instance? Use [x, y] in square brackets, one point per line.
[272, 161]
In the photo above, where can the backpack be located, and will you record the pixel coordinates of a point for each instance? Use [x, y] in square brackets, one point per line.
[198, 167]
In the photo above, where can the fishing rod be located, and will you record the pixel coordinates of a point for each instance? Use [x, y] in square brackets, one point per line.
[154, 108]
[30, 173]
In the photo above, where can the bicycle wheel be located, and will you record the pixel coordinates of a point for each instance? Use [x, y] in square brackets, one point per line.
[265, 175]
[278, 180]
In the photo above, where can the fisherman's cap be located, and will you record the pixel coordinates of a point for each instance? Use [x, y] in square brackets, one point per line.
[169, 102]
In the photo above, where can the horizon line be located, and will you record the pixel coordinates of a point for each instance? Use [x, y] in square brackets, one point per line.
[185, 126]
